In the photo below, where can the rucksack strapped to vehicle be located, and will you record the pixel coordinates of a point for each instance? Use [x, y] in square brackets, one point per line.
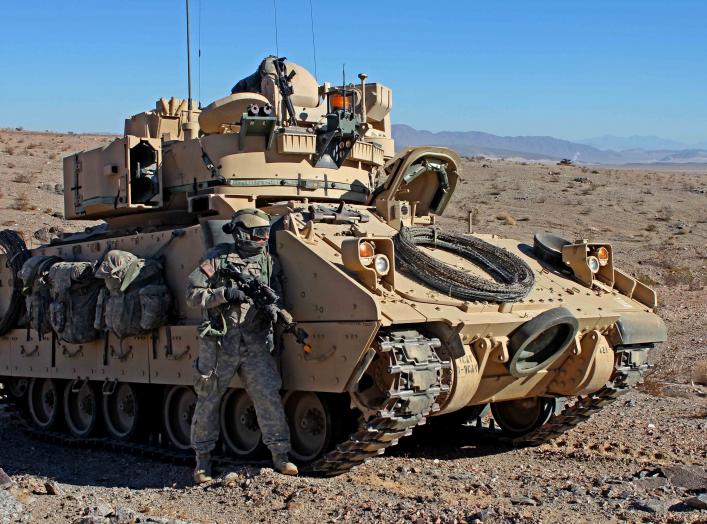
[135, 299]
[74, 291]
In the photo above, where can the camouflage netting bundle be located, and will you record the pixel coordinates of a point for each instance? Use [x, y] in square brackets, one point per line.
[135, 300]
[512, 278]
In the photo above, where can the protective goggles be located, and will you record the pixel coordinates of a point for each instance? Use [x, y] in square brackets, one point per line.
[261, 233]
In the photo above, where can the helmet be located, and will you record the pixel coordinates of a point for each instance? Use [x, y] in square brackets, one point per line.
[248, 219]
[250, 229]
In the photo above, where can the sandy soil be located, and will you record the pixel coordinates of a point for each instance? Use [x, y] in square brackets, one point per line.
[642, 459]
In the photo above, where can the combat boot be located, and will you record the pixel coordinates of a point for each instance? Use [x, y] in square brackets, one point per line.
[202, 472]
[282, 464]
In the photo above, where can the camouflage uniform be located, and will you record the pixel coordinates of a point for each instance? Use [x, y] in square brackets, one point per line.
[245, 347]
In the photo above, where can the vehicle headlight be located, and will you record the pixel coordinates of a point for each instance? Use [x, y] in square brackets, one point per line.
[381, 264]
[593, 263]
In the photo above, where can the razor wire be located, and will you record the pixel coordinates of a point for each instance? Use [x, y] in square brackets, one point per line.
[512, 278]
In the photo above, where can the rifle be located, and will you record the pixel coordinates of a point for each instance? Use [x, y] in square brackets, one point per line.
[262, 297]
[283, 82]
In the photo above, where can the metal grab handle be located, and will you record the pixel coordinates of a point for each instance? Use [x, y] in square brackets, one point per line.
[122, 356]
[26, 353]
[178, 356]
[71, 354]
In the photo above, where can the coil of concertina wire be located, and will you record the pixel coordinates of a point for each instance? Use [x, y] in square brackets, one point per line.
[512, 278]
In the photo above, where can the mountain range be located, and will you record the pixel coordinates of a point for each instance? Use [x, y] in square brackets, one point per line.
[594, 151]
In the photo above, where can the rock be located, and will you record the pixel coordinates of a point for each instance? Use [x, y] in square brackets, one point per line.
[483, 514]
[650, 506]
[53, 488]
[650, 483]
[91, 519]
[5, 480]
[42, 234]
[698, 502]
[231, 478]
[615, 493]
[523, 501]
[100, 510]
[11, 510]
[688, 477]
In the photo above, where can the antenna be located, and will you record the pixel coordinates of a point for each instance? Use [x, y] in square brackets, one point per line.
[188, 59]
[277, 46]
[314, 46]
[199, 66]
[343, 83]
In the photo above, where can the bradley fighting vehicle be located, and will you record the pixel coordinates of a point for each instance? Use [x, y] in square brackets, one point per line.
[404, 321]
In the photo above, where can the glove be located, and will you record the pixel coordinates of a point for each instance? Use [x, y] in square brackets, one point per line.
[271, 311]
[234, 295]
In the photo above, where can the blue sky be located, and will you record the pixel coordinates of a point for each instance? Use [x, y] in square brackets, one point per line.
[567, 68]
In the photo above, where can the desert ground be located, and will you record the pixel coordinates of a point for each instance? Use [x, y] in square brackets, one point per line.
[641, 460]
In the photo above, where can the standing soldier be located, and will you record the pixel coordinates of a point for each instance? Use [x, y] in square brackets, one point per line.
[237, 337]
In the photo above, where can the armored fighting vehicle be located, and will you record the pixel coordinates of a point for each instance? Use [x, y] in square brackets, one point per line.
[404, 321]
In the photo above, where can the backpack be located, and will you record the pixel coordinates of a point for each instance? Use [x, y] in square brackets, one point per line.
[74, 292]
[34, 274]
[135, 299]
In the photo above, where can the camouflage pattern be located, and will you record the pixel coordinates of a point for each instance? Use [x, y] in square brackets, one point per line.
[74, 292]
[34, 274]
[135, 299]
[245, 348]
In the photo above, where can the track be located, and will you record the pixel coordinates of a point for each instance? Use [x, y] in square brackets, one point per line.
[414, 363]
[623, 378]
[416, 371]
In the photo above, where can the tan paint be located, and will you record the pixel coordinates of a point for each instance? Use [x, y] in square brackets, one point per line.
[341, 304]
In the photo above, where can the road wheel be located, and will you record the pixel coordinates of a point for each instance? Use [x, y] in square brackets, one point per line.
[44, 402]
[17, 387]
[239, 424]
[178, 412]
[520, 417]
[81, 408]
[310, 422]
[122, 411]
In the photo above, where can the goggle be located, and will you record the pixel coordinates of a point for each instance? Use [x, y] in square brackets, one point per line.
[261, 233]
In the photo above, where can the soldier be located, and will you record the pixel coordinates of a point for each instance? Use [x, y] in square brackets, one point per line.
[237, 337]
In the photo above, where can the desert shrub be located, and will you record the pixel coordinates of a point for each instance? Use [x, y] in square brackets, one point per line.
[22, 203]
[651, 227]
[665, 213]
[475, 216]
[506, 218]
[23, 178]
[11, 165]
[699, 373]
[683, 276]
[9, 150]
[646, 279]
[589, 189]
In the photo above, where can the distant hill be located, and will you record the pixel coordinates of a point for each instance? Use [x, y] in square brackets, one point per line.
[470, 143]
[623, 143]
